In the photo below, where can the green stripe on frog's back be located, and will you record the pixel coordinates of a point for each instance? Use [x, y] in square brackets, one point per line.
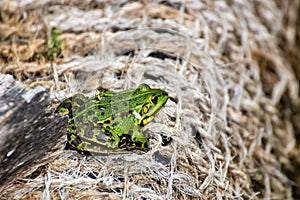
[107, 104]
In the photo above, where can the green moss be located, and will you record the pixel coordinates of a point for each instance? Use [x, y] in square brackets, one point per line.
[54, 45]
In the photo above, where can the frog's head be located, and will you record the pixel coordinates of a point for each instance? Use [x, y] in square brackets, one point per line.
[153, 101]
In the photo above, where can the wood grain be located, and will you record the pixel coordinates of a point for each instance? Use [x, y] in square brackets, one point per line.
[30, 134]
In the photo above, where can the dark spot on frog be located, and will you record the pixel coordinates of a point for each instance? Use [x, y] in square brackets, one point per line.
[102, 113]
[107, 121]
[79, 109]
[81, 129]
[64, 105]
[88, 132]
[95, 119]
[72, 132]
[76, 141]
[79, 119]
[75, 107]
[125, 114]
[115, 124]
[115, 108]
[101, 136]
[107, 132]
[125, 104]
[130, 132]
[73, 127]
[78, 101]
[138, 144]
[86, 122]
[87, 125]
[100, 125]
[90, 112]
[108, 127]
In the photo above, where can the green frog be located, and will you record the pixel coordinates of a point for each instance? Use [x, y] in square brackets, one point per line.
[110, 122]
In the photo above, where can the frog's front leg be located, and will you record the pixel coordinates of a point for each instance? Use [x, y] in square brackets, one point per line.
[138, 138]
[129, 139]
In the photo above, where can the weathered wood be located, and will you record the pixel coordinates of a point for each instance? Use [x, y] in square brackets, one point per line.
[30, 134]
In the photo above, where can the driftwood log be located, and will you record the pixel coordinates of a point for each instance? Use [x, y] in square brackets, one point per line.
[30, 135]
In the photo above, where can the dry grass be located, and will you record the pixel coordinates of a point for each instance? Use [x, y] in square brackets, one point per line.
[222, 65]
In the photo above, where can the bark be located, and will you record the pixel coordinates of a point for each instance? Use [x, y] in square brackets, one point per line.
[30, 134]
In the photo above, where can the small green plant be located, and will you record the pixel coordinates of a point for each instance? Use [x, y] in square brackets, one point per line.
[54, 45]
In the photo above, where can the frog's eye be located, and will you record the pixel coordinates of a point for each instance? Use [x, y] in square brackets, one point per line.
[154, 99]
[143, 87]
